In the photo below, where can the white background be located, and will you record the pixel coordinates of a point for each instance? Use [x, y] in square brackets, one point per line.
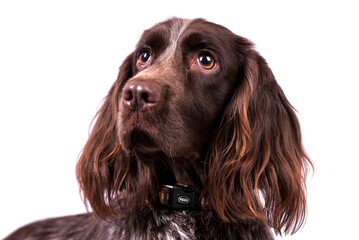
[58, 59]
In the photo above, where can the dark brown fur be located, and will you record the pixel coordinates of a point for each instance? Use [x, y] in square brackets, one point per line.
[229, 132]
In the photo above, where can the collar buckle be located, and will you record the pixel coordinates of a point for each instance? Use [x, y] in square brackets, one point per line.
[179, 197]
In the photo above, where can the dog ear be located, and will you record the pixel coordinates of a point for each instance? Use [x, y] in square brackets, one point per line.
[257, 165]
[102, 152]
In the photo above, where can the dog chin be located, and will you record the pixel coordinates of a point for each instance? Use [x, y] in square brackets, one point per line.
[142, 142]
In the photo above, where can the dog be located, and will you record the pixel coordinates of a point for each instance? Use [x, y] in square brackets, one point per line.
[195, 140]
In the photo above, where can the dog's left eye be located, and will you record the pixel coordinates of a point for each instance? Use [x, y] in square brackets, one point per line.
[206, 61]
[144, 58]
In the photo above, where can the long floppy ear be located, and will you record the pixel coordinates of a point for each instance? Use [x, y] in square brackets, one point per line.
[257, 165]
[102, 152]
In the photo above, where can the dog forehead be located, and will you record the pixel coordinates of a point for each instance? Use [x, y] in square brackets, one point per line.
[178, 27]
[195, 33]
[188, 33]
[164, 32]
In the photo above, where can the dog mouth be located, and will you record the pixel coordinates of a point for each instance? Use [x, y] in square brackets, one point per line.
[142, 141]
[147, 133]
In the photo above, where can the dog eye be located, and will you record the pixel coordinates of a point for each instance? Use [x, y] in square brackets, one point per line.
[206, 61]
[143, 58]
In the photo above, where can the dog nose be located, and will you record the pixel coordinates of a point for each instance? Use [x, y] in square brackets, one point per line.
[140, 94]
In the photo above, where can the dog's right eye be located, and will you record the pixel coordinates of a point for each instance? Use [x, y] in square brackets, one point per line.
[144, 58]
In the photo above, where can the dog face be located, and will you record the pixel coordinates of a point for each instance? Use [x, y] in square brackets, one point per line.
[182, 80]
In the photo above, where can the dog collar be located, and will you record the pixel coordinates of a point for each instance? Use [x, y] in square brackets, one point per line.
[179, 197]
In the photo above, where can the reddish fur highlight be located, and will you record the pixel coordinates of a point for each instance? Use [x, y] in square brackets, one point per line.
[258, 152]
